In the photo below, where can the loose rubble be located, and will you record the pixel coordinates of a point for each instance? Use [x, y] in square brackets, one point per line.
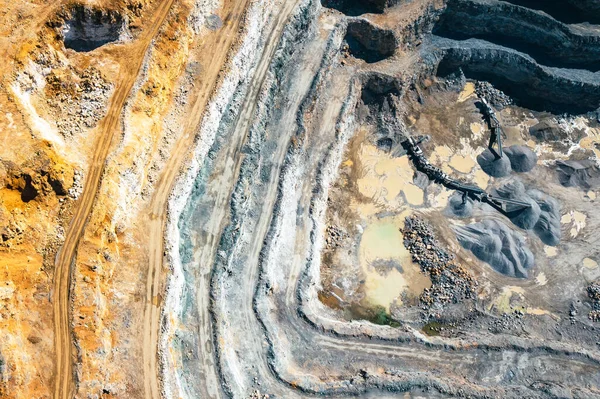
[451, 283]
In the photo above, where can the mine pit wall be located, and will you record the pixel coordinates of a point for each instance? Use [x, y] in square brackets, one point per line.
[506, 63]
[567, 11]
[279, 243]
[228, 98]
[284, 230]
[555, 90]
[411, 35]
[550, 42]
[264, 152]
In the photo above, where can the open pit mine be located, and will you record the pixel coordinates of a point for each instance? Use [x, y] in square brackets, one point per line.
[299, 199]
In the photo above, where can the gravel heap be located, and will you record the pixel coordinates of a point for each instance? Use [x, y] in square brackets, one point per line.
[593, 291]
[522, 159]
[450, 282]
[543, 216]
[495, 97]
[515, 190]
[500, 167]
[459, 208]
[516, 158]
[496, 244]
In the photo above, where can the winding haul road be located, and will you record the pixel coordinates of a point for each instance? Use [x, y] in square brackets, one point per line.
[107, 128]
[218, 44]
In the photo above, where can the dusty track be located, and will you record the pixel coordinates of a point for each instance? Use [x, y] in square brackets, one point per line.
[64, 386]
[218, 44]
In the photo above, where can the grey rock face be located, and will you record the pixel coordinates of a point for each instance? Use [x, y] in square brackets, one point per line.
[584, 174]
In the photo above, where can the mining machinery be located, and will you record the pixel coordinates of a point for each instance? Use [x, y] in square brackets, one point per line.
[494, 125]
[505, 206]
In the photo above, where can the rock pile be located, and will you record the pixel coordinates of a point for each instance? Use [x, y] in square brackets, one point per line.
[495, 167]
[450, 282]
[543, 216]
[516, 158]
[80, 103]
[459, 207]
[593, 291]
[522, 159]
[334, 235]
[584, 174]
[496, 97]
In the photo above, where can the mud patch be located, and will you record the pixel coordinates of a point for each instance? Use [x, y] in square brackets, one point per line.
[388, 268]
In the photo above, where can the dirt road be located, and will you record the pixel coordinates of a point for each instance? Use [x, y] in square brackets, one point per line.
[64, 386]
[217, 45]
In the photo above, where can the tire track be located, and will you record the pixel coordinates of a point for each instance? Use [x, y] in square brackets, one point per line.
[219, 44]
[64, 386]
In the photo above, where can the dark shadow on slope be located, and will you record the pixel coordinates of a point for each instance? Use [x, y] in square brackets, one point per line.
[355, 8]
[88, 29]
[549, 42]
[368, 42]
[567, 11]
[526, 82]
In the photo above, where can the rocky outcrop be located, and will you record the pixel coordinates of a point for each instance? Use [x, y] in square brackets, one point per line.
[87, 29]
[369, 42]
[547, 40]
[532, 85]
